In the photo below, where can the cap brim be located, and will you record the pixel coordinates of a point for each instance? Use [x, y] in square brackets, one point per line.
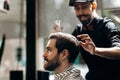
[80, 1]
[84, 0]
[71, 3]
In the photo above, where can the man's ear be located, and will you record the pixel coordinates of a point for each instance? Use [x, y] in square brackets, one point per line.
[94, 5]
[64, 54]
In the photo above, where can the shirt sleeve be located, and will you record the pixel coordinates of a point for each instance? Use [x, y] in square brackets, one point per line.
[113, 34]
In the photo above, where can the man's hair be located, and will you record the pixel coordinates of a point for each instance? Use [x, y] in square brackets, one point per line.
[66, 41]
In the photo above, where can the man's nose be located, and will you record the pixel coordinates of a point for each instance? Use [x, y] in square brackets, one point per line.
[79, 11]
[44, 54]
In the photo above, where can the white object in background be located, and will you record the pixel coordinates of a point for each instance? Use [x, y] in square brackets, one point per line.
[111, 4]
[4, 6]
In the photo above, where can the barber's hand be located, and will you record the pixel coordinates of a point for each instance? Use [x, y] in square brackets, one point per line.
[87, 43]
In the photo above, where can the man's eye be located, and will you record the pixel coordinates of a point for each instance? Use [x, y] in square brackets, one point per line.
[48, 50]
[77, 8]
[84, 7]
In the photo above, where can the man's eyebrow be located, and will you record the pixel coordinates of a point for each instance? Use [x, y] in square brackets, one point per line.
[48, 48]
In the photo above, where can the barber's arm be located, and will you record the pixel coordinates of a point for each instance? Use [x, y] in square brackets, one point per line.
[87, 43]
[112, 53]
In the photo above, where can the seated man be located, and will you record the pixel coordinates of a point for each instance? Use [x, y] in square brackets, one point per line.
[60, 54]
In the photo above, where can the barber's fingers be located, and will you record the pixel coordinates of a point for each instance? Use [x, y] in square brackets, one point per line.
[57, 22]
[84, 37]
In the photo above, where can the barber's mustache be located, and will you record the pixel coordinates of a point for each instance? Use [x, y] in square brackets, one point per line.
[83, 15]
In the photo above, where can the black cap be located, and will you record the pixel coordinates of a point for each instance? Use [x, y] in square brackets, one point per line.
[71, 3]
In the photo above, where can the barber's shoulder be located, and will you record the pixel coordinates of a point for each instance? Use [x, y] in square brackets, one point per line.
[109, 23]
[77, 30]
[107, 19]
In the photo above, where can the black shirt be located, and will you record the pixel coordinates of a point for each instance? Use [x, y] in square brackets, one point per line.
[104, 33]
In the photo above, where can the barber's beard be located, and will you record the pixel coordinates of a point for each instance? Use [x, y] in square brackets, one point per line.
[85, 22]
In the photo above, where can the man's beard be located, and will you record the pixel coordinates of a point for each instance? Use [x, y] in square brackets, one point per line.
[84, 22]
[53, 64]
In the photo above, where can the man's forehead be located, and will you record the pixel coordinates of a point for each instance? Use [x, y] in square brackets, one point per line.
[51, 42]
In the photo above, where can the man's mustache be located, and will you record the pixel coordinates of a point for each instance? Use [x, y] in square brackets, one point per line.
[46, 59]
[83, 15]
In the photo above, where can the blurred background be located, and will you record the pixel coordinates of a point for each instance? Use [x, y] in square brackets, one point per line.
[13, 25]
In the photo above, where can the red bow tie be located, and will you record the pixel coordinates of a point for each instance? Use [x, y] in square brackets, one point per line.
[90, 28]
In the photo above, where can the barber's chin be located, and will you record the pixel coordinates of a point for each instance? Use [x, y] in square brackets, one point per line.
[83, 23]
